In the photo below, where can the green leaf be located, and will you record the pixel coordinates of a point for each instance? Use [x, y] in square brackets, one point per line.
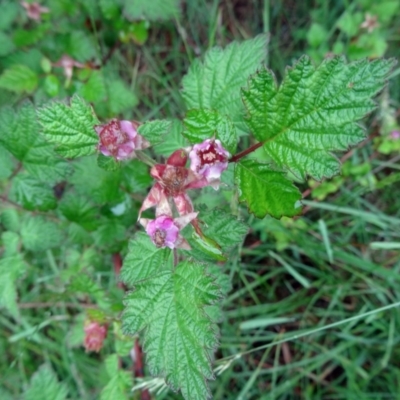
[21, 136]
[19, 78]
[12, 266]
[179, 338]
[143, 260]
[80, 210]
[10, 219]
[154, 10]
[108, 163]
[215, 84]
[45, 386]
[9, 11]
[154, 131]
[136, 176]
[95, 88]
[31, 193]
[120, 97]
[7, 163]
[205, 124]
[266, 191]
[95, 183]
[6, 44]
[313, 112]
[174, 140]
[120, 381]
[71, 127]
[39, 234]
[110, 8]
[81, 46]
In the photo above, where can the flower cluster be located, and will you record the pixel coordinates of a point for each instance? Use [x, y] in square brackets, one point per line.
[207, 162]
[119, 139]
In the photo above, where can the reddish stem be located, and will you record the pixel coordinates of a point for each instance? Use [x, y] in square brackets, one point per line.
[244, 153]
[117, 261]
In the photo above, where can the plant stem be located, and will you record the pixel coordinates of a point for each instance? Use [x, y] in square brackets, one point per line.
[244, 153]
[145, 158]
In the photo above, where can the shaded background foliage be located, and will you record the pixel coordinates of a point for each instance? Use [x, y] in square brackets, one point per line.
[338, 260]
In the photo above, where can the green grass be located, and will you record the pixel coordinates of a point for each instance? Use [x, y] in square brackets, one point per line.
[313, 313]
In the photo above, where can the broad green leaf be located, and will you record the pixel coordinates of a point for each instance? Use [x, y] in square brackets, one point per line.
[109, 234]
[44, 385]
[110, 8]
[9, 218]
[39, 234]
[154, 10]
[136, 176]
[80, 210]
[179, 338]
[215, 83]
[223, 227]
[174, 140]
[313, 112]
[71, 127]
[31, 193]
[143, 260]
[205, 124]
[19, 78]
[20, 135]
[81, 46]
[97, 184]
[266, 191]
[154, 131]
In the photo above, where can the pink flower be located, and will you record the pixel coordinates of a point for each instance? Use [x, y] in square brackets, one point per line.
[395, 135]
[68, 63]
[34, 10]
[164, 230]
[209, 159]
[95, 335]
[173, 179]
[119, 139]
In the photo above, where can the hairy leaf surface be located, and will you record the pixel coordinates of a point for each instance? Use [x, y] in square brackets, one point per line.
[70, 127]
[179, 337]
[313, 112]
[215, 83]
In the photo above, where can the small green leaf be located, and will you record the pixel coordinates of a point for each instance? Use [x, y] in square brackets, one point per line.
[108, 163]
[19, 78]
[9, 11]
[95, 88]
[45, 386]
[154, 131]
[154, 10]
[179, 338]
[136, 176]
[120, 97]
[21, 137]
[81, 46]
[205, 124]
[51, 85]
[39, 234]
[31, 193]
[215, 84]
[266, 191]
[313, 112]
[143, 260]
[174, 140]
[7, 163]
[71, 128]
[6, 44]
[110, 8]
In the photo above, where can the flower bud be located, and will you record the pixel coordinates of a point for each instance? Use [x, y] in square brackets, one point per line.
[209, 159]
[119, 139]
[94, 336]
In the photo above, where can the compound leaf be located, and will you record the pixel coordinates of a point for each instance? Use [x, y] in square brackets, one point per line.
[313, 112]
[70, 127]
[215, 83]
[179, 337]
[266, 191]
